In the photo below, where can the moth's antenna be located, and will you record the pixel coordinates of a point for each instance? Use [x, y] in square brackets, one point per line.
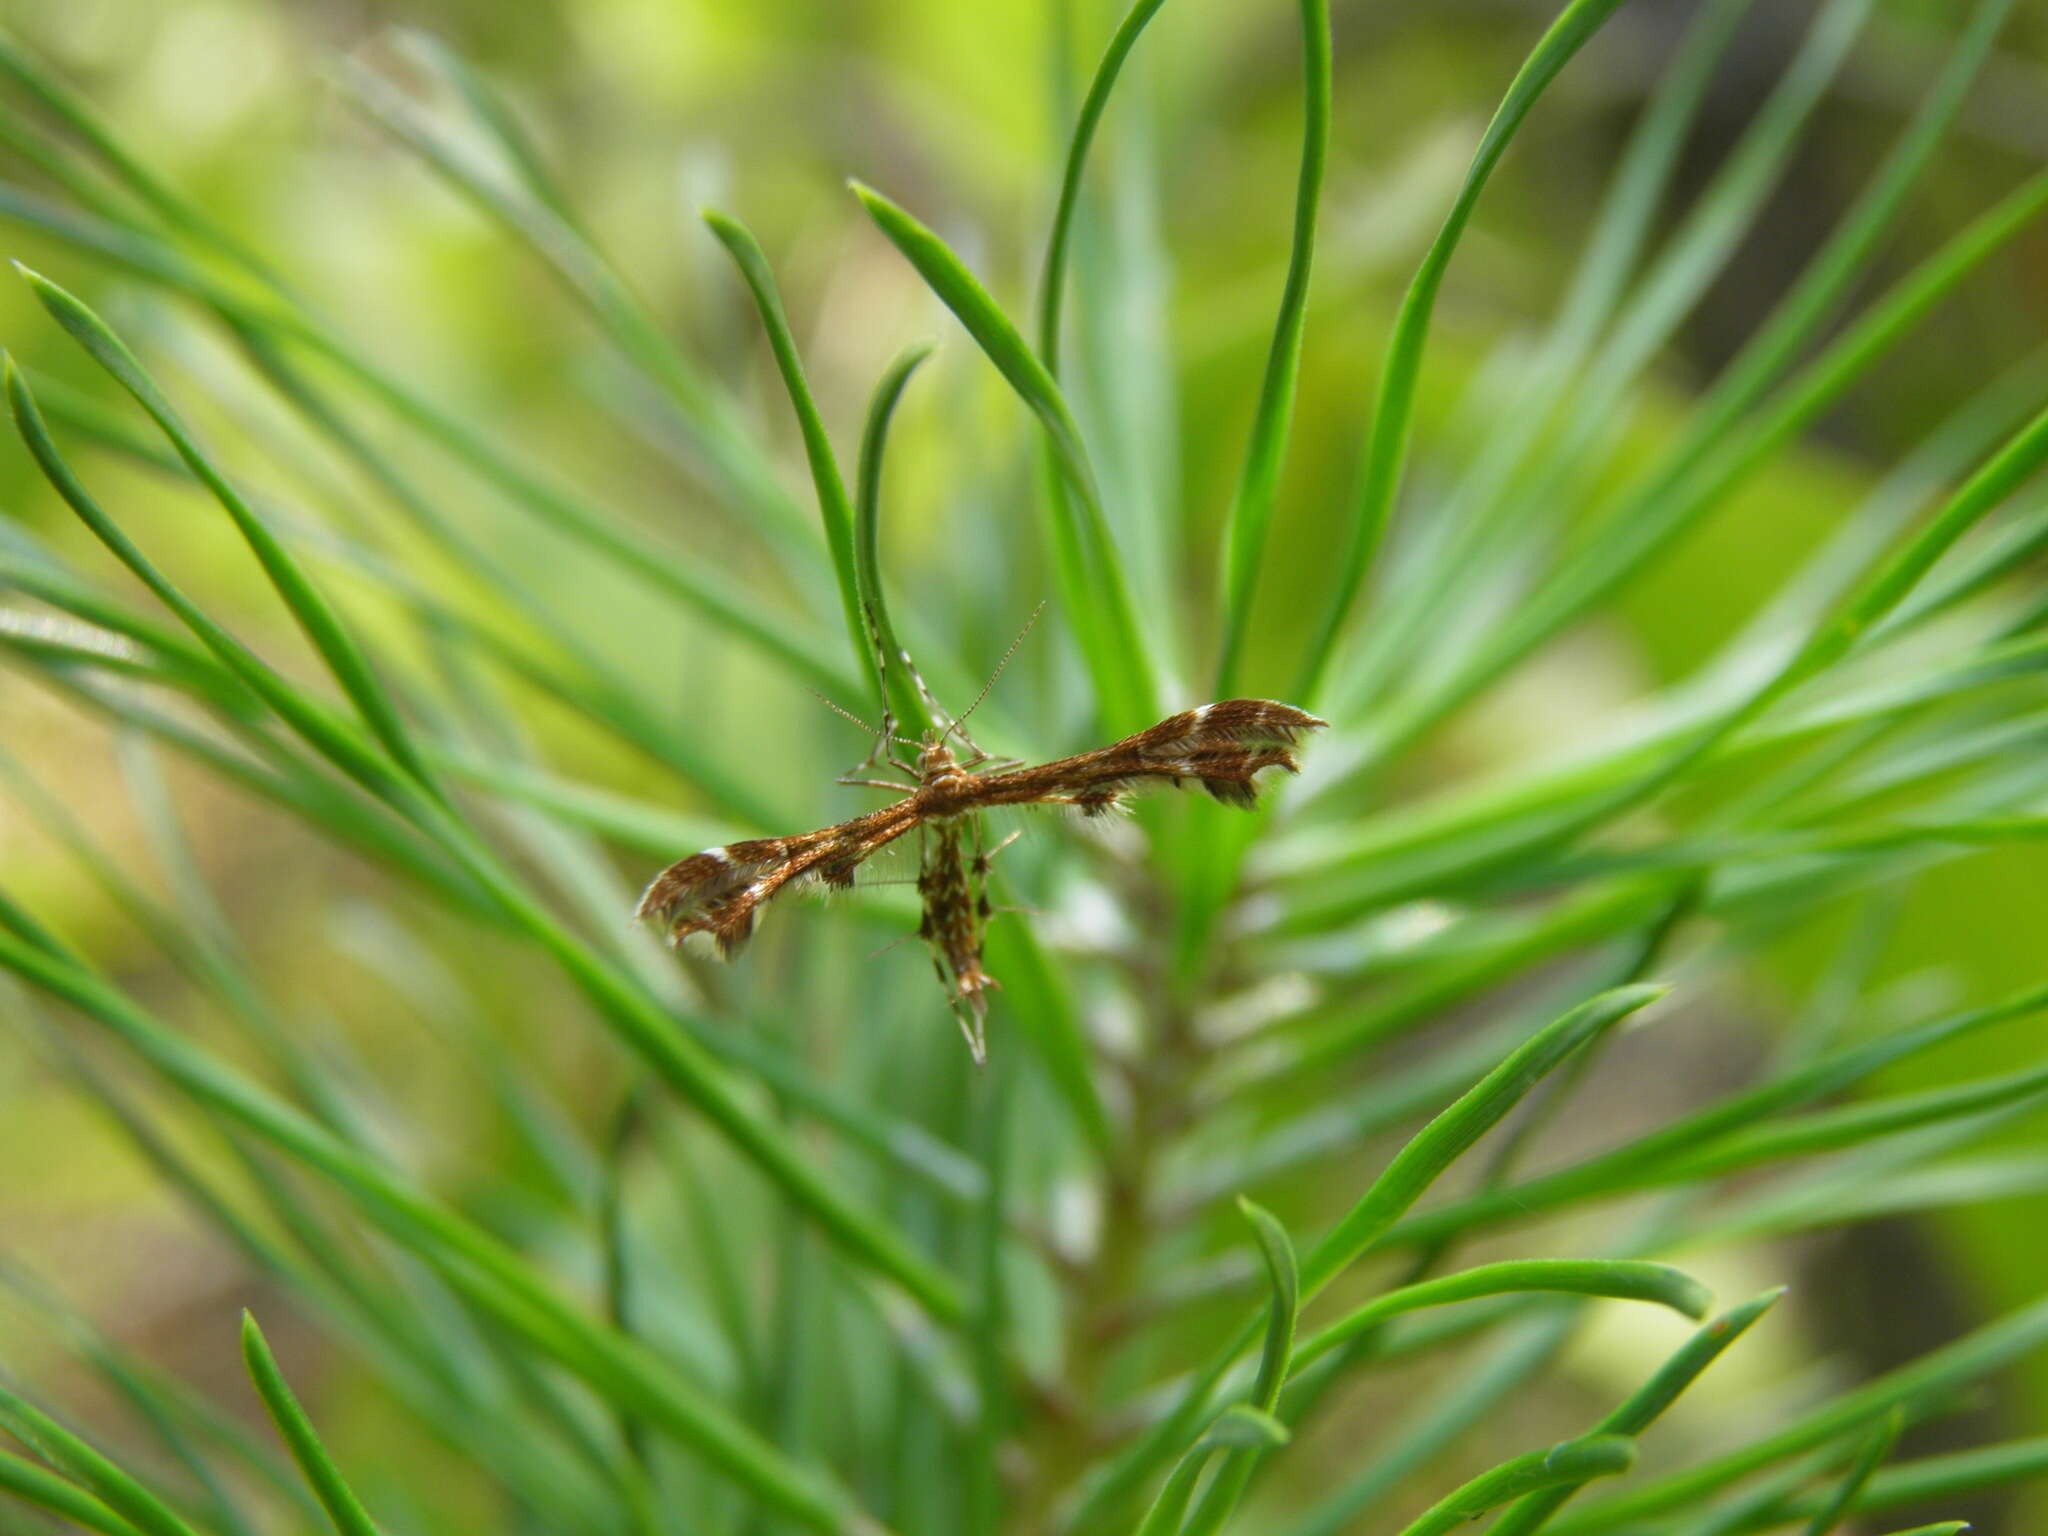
[997, 673]
[847, 714]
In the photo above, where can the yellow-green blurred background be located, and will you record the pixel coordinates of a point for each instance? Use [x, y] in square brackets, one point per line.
[648, 109]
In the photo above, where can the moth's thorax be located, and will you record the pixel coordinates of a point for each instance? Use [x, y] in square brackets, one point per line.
[944, 788]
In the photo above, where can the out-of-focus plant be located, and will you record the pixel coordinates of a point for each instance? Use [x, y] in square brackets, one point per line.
[814, 1271]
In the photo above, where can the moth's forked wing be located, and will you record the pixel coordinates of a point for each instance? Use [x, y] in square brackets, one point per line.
[718, 891]
[1228, 722]
[1222, 746]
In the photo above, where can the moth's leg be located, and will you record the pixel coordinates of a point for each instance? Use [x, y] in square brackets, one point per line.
[883, 761]
[883, 732]
[880, 750]
[970, 1012]
[945, 720]
[925, 833]
[877, 753]
[888, 731]
[982, 860]
[884, 735]
[887, 736]
[882, 740]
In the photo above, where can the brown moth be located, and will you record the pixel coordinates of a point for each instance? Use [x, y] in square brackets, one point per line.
[1222, 747]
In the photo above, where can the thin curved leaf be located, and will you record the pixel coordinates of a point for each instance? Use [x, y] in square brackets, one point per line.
[299, 1436]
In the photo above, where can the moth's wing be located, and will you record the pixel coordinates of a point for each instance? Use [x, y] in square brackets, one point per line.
[1226, 723]
[872, 849]
[689, 885]
[1230, 775]
[718, 891]
[1223, 747]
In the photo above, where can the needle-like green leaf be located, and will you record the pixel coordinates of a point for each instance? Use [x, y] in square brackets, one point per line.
[299, 1436]
[59, 1496]
[1251, 511]
[1093, 587]
[835, 508]
[1573, 1461]
[1386, 447]
[67, 1453]
[1927, 1379]
[905, 699]
[1399, 1186]
[1643, 1407]
[487, 1272]
[1630, 1279]
[340, 652]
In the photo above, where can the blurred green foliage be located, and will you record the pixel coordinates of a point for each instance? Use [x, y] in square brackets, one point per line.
[647, 111]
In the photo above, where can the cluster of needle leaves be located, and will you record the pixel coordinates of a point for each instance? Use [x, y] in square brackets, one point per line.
[809, 1270]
